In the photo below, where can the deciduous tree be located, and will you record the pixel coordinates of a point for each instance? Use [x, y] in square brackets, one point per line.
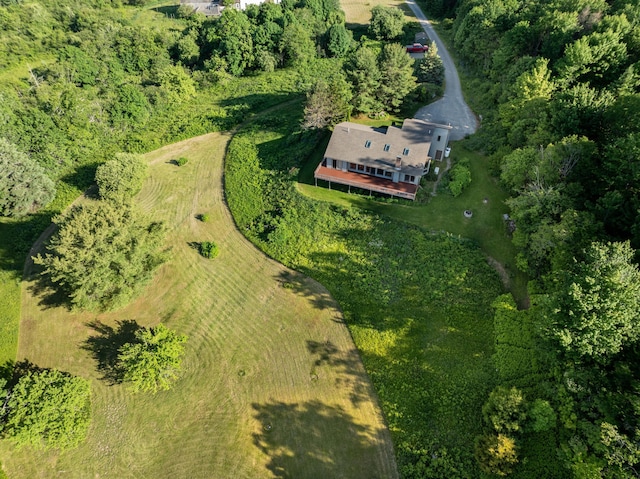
[386, 22]
[48, 409]
[328, 102]
[121, 178]
[153, 361]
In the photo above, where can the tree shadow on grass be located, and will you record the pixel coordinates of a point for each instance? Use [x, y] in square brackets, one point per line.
[351, 374]
[316, 440]
[105, 345]
[301, 284]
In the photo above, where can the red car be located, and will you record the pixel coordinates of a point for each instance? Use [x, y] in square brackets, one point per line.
[417, 48]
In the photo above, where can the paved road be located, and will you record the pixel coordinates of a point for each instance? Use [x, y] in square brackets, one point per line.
[451, 108]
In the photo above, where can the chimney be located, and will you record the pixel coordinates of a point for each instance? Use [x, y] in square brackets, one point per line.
[398, 162]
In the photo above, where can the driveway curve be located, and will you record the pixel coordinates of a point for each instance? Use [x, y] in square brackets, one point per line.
[451, 109]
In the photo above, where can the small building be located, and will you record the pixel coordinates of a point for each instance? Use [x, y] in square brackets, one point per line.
[387, 160]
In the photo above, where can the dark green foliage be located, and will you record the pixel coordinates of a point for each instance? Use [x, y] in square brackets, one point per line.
[459, 178]
[431, 68]
[182, 161]
[204, 217]
[244, 182]
[364, 74]
[386, 22]
[542, 416]
[595, 310]
[153, 361]
[48, 409]
[396, 76]
[121, 179]
[339, 40]
[208, 249]
[24, 186]
[102, 254]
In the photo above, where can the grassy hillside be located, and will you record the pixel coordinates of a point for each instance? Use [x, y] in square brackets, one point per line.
[272, 385]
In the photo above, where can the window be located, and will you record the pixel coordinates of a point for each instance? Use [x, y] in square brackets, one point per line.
[360, 167]
[410, 178]
[334, 163]
[405, 152]
[439, 137]
[380, 171]
[371, 171]
[388, 174]
[386, 147]
[352, 166]
[367, 144]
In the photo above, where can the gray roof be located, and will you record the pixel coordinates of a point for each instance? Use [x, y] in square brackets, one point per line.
[381, 148]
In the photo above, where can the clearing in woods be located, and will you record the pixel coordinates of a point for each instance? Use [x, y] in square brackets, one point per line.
[272, 384]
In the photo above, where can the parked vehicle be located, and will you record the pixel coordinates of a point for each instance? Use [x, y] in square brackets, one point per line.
[417, 48]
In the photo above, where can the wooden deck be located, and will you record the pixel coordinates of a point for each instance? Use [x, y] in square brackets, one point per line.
[366, 182]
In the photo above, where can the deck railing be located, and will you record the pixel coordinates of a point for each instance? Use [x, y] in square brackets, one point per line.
[367, 186]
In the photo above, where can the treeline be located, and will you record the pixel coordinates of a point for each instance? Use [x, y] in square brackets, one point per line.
[558, 87]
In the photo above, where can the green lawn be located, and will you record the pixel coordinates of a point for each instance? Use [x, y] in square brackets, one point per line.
[272, 384]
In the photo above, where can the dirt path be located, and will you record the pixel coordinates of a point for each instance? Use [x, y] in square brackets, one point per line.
[451, 109]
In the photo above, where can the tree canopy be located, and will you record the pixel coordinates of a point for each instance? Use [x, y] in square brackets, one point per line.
[24, 185]
[386, 22]
[48, 409]
[153, 361]
[121, 178]
[102, 254]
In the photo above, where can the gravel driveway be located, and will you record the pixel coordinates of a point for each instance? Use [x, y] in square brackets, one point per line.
[451, 109]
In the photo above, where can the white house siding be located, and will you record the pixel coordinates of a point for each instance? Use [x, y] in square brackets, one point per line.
[438, 143]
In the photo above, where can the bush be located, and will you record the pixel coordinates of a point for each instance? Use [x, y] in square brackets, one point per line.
[204, 217]
[208, 249]
[542, 415]
[121, 178]
[182, 161]
[459, 178]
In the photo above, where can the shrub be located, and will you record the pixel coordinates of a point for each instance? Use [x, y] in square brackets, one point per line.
[459, 179]
[542, 415]
[182, 161]
[208, 249]
[204, 217]
[121, 178]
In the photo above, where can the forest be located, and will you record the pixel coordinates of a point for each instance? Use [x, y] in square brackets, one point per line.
[556, 85]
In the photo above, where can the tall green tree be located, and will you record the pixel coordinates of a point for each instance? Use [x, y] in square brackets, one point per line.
[397, 80]
[153, 361]
[339, 40]
[596, 310]
[102, 254]
[48, 409]
[431, 68]
[121, 178]
[386, 22]
[364, 75]
[24, 186]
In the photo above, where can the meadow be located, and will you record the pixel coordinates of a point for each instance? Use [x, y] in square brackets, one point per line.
[272, 384]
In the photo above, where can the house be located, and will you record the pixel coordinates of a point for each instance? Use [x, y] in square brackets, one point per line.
[215, 7]
[385, 160]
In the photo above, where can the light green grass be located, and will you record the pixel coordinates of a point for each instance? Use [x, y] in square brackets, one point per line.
[259, 354]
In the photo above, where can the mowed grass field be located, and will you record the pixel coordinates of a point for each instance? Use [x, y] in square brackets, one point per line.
[272, 385]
